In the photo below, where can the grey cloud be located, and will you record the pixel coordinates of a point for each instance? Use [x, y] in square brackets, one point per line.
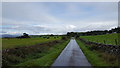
[22, 17]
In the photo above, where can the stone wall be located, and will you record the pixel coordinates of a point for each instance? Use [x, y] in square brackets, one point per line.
[111, 49]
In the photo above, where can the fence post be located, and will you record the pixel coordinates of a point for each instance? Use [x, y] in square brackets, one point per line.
[104, 42]
[115, 41]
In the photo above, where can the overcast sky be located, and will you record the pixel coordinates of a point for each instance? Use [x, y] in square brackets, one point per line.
[57, 17]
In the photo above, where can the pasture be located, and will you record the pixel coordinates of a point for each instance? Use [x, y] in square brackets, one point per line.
[112, 39]
[15, 42]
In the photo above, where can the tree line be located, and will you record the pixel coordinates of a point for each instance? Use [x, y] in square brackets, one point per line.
[77, 34]
[96, 32]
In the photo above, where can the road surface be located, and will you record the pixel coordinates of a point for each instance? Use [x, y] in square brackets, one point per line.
[72, 55]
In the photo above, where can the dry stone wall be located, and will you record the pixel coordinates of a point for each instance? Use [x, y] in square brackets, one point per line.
[111, 49]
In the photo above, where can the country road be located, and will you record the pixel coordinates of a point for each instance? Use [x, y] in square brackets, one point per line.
[72, 55]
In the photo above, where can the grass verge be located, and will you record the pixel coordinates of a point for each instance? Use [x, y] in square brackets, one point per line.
[94, 57]
[49, 56]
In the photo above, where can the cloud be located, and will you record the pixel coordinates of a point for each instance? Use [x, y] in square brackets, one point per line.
[70, 27]
[58, 17]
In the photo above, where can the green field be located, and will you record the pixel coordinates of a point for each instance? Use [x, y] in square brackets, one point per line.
[105, 39]
[14, 42]
[35, 54]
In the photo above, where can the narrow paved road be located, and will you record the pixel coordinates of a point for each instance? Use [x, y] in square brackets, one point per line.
[71, 56]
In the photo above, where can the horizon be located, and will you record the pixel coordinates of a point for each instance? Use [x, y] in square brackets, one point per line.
[53, 33]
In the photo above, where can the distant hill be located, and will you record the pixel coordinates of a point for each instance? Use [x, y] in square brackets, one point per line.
[9, 36]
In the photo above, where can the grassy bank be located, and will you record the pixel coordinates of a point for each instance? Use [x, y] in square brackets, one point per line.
[105, 39]
[97, 58]
[14, 42]
[35, 55]
[48, 57]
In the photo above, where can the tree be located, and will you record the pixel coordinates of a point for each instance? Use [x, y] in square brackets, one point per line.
[25, 35]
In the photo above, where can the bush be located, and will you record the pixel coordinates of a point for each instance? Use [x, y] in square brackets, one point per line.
[64, 38]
